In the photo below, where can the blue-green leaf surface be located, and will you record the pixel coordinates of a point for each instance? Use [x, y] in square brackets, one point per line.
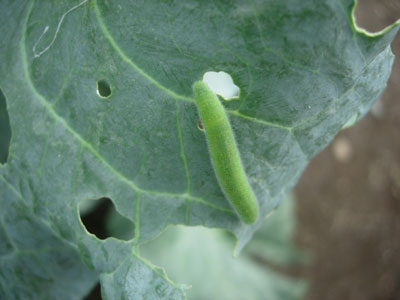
[303, 69]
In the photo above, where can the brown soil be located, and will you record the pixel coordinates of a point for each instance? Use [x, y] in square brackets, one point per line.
[349, 197]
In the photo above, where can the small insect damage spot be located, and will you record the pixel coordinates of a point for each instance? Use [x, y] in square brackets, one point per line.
[5, 129]
[200, 125]
[221, 83]
[100, 217]
[103, 88]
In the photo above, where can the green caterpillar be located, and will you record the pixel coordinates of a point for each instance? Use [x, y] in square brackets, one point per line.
[224, 153]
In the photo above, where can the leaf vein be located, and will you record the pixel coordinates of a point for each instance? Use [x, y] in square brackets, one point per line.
[49, 108]
[130, 62]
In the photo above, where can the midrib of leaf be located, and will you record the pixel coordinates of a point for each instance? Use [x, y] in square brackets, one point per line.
[48, 106]
[158, 85]
[130, 62]
[159, 271]
[86, 144]
[131, 183]
[237, 113]
[176, 96]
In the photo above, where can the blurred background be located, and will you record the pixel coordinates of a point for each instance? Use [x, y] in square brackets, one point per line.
[348, 199]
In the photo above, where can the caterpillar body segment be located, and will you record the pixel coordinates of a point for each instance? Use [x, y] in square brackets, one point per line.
[224, 153]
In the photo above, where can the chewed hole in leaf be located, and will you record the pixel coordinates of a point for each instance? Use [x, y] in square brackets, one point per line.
[5, 129]
[101, 218]
[103, 88]
[221, 83]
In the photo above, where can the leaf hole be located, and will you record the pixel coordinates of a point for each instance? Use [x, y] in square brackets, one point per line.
[221, 83]
[373, 16]
[103, 88]
[5, 129]
[101, 218]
